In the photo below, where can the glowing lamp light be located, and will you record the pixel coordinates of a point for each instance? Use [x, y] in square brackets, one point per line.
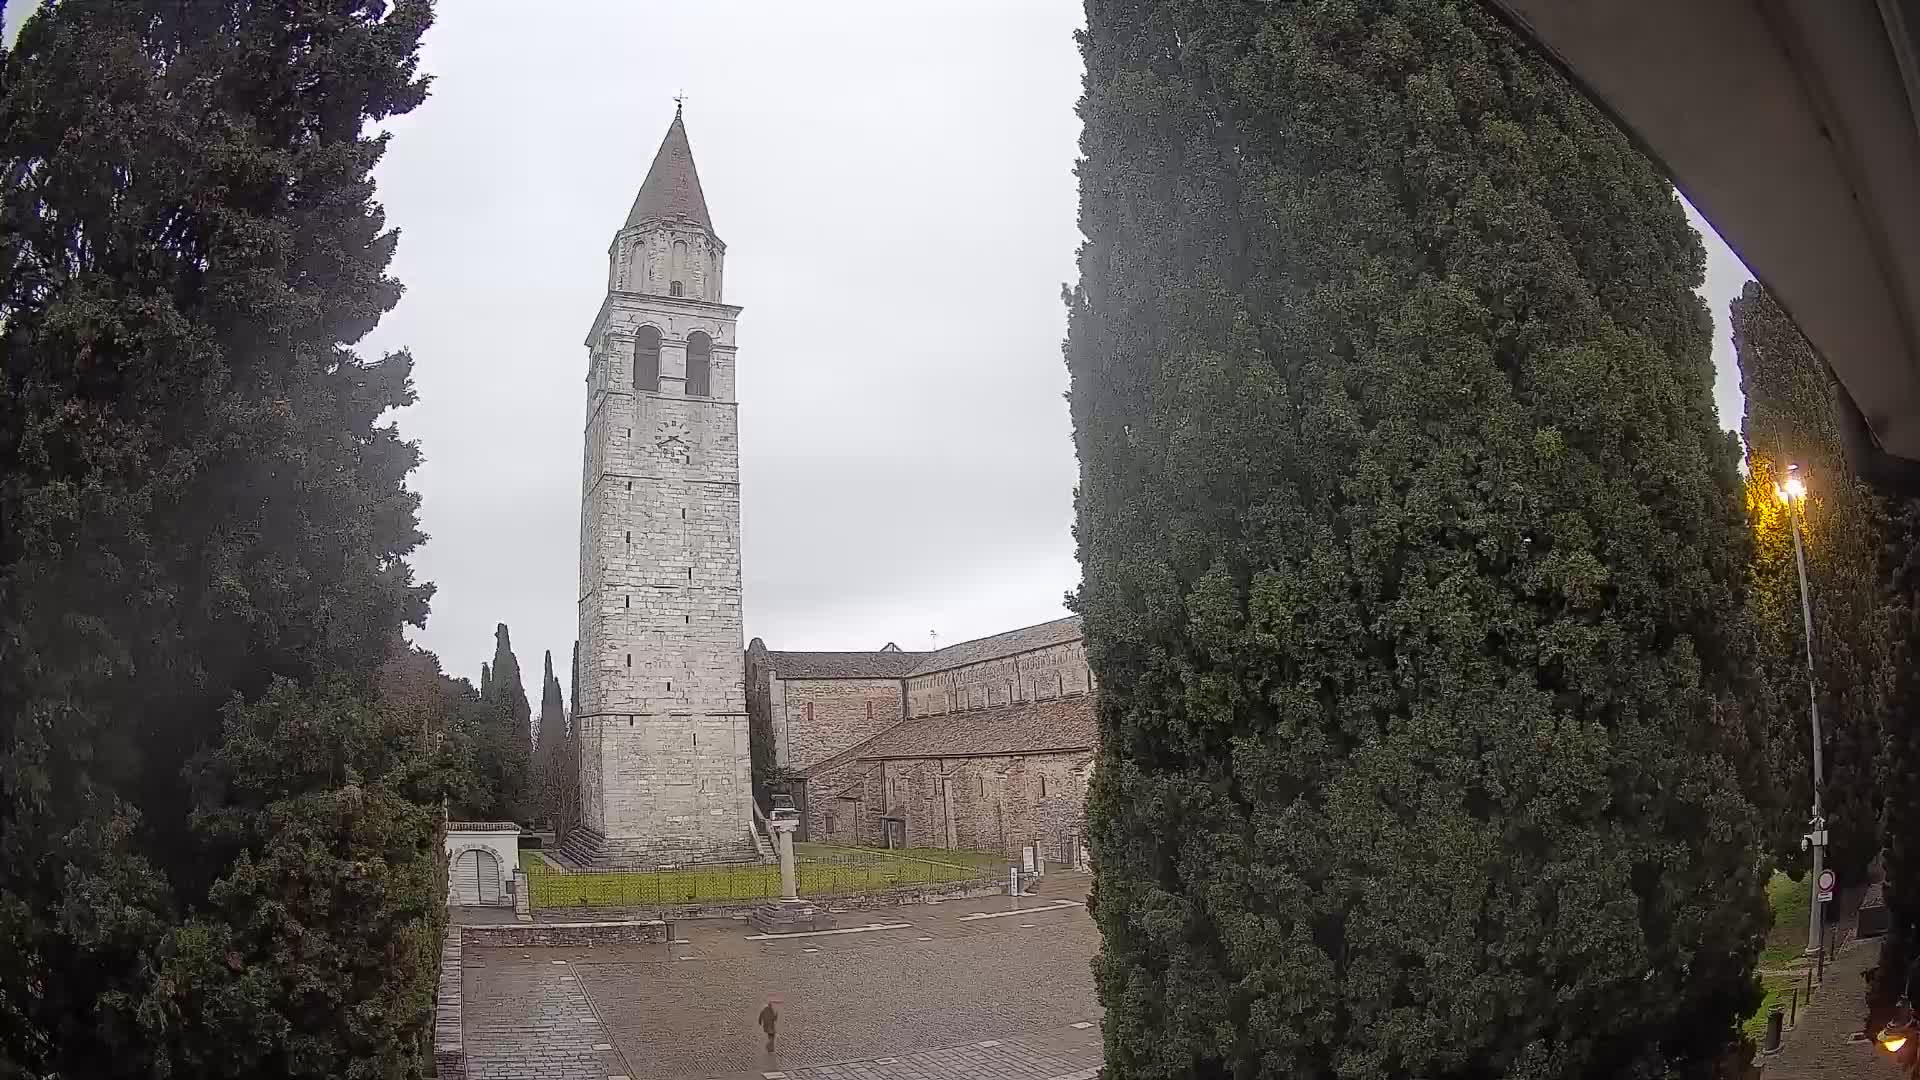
[1794, 488]
[1899, 1030]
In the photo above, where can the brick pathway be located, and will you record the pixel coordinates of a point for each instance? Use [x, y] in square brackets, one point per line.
[1819, 1046]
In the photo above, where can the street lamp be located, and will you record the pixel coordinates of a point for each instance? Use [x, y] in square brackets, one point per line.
[1794, 492]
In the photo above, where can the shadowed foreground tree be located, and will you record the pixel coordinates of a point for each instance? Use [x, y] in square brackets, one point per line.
[216, 858]
[1413, 558]
[1789, 420]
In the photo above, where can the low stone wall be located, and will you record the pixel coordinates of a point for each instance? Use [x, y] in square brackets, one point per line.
[602, 932]
[449, 1043]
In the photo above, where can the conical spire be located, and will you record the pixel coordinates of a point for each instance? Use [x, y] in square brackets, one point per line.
[672, 188]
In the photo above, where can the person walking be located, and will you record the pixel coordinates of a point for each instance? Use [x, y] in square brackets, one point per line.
[769, 1019]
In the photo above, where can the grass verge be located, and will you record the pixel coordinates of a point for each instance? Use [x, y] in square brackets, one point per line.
[823, 873]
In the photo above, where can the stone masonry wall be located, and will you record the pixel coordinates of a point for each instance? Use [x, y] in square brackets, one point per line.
[819, 718]
[662, 701]
[1028, 676]
[997, 803]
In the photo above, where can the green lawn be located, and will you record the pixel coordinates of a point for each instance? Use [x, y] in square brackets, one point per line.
[1792, 904]
[823, 872]
[978, 860]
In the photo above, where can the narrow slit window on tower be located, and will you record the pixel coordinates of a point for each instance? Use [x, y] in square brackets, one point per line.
[626, 601]
[699, 365]
[1043, 787]
[669, 686]
[629, 536]
[646, 360]
[629, 659]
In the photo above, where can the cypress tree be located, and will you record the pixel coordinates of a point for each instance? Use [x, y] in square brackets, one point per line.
[506, 745]
[547, 750]
[203, 532]
[1413, 557]
[1789, 420]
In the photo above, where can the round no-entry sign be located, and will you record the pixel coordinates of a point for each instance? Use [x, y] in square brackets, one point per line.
[1826, 881]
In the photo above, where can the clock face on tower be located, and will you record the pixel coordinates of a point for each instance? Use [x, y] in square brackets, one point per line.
[672, 440]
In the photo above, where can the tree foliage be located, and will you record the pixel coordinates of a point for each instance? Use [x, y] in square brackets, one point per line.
[1414, 558]
[549, 756]
[1845, 528]
[504, 745]
[1899, 970]
[203, 532]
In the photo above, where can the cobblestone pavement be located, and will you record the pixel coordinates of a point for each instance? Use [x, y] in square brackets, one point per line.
[1076, 1056]
[526, 1018]
[919, 996]
[1820, 1046]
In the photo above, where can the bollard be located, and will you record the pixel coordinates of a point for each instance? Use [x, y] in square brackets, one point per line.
[1793, 1008]
[1772, 1043]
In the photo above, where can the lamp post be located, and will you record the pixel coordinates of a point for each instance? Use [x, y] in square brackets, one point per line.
[1794, 493]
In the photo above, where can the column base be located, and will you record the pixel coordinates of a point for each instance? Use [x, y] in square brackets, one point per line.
[789, 917]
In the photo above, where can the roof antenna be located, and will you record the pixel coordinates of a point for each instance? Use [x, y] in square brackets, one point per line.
[679, 99]
[934, 635]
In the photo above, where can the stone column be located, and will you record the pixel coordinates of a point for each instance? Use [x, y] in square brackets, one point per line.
[782, 829]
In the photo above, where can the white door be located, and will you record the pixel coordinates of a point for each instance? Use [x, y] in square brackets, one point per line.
[476, 879]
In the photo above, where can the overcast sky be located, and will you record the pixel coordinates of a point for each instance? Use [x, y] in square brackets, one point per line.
[894, 185]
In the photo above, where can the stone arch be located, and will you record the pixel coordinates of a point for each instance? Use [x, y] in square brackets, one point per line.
[699, 364]
[646, 358]
[480, 880]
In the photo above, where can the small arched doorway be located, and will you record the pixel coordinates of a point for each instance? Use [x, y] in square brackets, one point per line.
[476, 878]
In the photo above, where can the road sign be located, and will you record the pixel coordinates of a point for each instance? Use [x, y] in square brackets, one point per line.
[1826, 886]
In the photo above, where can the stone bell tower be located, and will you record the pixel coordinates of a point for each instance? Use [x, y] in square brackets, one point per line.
[662, 724]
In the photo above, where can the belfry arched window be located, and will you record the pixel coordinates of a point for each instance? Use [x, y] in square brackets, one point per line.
[646, 360]
[699, 365]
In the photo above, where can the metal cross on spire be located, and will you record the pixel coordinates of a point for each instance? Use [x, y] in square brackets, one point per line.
[679, 100]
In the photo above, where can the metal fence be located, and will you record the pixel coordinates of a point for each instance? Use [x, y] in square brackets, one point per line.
[820, 877]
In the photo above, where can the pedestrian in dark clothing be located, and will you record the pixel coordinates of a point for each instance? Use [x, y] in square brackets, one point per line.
[769, 1019]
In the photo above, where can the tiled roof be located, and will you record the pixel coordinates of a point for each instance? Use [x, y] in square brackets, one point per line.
[1024, 727]
[1025, 639]
[672, 187]
[891, 664]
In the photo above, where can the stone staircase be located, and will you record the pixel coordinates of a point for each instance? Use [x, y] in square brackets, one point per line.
[587, 849]
[762, 840]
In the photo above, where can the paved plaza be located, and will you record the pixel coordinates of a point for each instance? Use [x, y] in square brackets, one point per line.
[994, 988]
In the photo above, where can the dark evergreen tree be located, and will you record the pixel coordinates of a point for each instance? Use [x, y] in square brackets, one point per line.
[569, 813]
[203, 531]
[505, 746]
[1844, 525]
[1413, 556]
[548, 764]
[1899, 969]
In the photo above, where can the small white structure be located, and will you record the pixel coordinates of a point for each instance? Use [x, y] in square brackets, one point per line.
[481, 858]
